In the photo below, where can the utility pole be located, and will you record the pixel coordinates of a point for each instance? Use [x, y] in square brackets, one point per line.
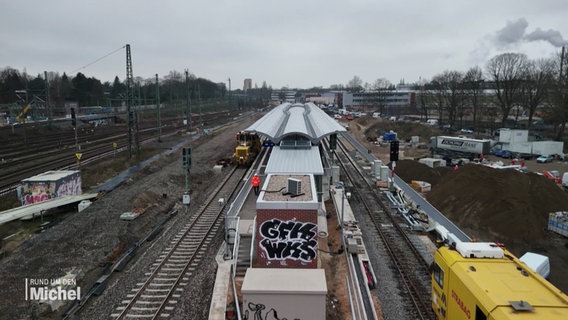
[139, 87]
[229, 94]
[562, 62]
[158, 108]
[199, 96]
[188, 102]
[132, 122]
[48, 106]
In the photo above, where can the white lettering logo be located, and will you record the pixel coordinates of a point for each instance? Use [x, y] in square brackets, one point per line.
[55, 290]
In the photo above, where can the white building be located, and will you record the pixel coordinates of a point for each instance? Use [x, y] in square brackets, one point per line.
[372, 100]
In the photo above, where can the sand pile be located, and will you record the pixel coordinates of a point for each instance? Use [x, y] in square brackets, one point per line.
[502, 205]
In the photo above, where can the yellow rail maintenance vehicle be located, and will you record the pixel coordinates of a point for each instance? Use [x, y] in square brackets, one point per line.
[248, 147]
[484, 281]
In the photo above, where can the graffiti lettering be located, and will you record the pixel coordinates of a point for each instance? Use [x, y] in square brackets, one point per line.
[288, 240]
[275, 228]
[256, 313]
[34, 192]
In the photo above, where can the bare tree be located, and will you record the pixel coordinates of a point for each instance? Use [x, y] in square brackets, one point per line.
[559, 95]
[538, 77]
[355, 84]
[473, 90]
[449, 85]
[381, 86]
[435, 96]
[506, 71]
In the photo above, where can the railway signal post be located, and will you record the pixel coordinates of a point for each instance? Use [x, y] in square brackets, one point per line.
[186, 165]
[394, 149]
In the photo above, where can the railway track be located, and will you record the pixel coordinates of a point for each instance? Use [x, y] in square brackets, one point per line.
[412, 269]
[25, 154]
[157, 294]
[64, 160]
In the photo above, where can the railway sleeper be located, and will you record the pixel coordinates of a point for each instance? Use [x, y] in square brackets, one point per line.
[164, 279]
[156, 290]
[153, 284]
[175, 264]
[172, 269]
[146, 302]
[144, 309]
[153, 296]
[178, 260]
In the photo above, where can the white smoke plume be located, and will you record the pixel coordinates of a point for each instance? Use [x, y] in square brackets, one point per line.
[515, 32]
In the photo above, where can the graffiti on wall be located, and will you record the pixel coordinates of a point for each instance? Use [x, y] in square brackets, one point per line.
[34, 192]
[254, 312]
[294, 240]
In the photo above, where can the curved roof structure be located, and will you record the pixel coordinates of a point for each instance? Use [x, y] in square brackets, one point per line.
[304, 119]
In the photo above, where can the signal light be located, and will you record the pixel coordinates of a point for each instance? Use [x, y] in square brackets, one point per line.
[333, 141]
[73, 118]
[186, 157]
[394, 150]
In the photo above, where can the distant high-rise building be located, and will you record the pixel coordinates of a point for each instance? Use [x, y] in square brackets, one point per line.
[248, 84]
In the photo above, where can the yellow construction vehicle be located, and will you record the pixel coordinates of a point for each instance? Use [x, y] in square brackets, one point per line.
[24, 111]
[248, 147]
[484, 281]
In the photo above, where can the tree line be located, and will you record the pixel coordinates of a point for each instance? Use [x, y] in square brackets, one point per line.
[509, 86]
[16, 86]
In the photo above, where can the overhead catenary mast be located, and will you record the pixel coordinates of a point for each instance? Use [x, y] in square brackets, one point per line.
[158, 108]
[188, 101]
[132, 122]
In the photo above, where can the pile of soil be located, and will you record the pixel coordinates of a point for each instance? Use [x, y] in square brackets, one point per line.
[405, 130]
[500, 205]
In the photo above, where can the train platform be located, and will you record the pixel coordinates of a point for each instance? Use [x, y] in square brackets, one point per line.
[217, 308]
[36, 209]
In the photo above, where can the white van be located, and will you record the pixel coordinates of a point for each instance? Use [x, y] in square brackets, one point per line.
[432, 122]
[376, 115]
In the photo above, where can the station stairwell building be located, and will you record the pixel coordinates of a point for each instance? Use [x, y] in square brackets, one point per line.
[288, 217]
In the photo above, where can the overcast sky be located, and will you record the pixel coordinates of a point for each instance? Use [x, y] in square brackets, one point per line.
[298, 44]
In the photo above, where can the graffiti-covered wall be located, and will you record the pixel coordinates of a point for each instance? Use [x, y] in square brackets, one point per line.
[286, 238]
[34, 191]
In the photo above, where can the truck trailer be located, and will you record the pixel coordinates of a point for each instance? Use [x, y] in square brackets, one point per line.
[459, 146]
[547, 147]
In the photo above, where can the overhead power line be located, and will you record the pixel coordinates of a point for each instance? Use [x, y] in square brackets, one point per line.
[99, 59]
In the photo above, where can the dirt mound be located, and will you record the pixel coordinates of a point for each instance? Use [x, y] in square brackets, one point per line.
[405, 130]
[409, 170]
[503, 205]
[145, 199]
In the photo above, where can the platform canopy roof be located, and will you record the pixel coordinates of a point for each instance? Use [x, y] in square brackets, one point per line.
[304, 119]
